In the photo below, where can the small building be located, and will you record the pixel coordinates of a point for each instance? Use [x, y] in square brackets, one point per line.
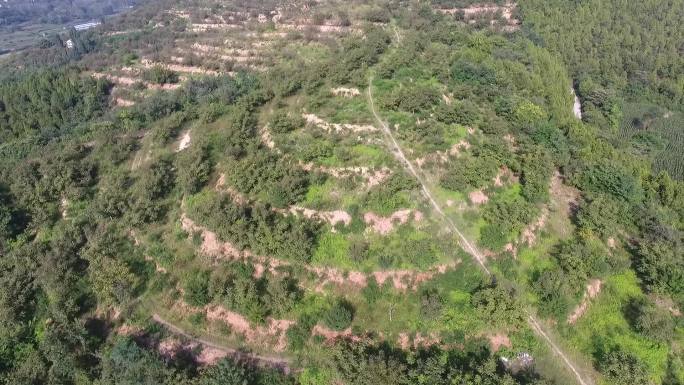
[69, 44]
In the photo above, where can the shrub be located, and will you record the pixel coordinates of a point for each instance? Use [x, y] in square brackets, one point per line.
[372, 292]
[469, 174]
[649, 320]
[339, 316]
[494, 236]
[498, 307]
[282, 122]
[196, 288]
[431, 303]
[551, 288]
[160, 75]
[624, 368]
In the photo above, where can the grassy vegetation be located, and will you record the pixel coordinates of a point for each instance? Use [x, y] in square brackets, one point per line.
[604, 327]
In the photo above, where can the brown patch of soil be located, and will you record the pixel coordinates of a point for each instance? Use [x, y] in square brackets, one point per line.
[442, 157]
[331, 336]
[345, 92]
[254, 334]
[373, 177]
[120, 102]
[184, 142]
[529, 235]
[478, 197]
[168, 347]
[472, 12]
[210, 356]
[384, 225]
[331, 217]
[505, 175]
[237, 196]
[128, 330]
[667, 304]
[497, 341]
[592, 291]
[337, 127]
[566, 196]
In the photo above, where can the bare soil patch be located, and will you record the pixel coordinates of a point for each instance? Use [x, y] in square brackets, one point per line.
[592, 291]
[478, 197]
[385, 225]
[497, 341]
[345, 92]
[338, 127]
[184, 142]
[332, 336]
[529, 234]
[372, 176]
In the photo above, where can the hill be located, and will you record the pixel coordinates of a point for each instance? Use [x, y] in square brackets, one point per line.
[326, 193]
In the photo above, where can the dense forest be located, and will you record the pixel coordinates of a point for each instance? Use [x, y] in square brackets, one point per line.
[626, 62]
[153, 210]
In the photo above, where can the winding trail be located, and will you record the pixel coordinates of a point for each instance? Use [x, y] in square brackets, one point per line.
[257, 360]
[467, 245]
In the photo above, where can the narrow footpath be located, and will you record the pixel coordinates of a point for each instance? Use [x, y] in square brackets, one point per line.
[264, 361]
[467, 245]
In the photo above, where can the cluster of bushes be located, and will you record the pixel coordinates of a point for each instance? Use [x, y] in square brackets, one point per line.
[283, 122]
[125, 362]
[160, 75]
[391, 195]
[49, 100]
[351, 63]
[257, 227]
[562, 286]
[371, 363]
[234, 285]
[275, 179]
[469, 173]
[506, 218]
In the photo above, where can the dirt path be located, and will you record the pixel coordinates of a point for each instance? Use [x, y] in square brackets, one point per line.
[468, 247]
[540, 331]
[264, 361]
[399, 153]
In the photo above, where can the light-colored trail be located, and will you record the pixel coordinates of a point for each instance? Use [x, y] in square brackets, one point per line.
[467, 245]
[272, 362]
[540, 331]
[399, 153]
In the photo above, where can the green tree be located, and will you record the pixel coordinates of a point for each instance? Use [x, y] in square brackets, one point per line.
[624, 368]
[499, 307]
[339, 316]
[649, 320]
[193, 168]
[127, 364]
[160, 75]
[196, 288]
[227, 372]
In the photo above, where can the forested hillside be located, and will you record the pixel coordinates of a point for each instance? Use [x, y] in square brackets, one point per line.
[627, 62]
[341, 192]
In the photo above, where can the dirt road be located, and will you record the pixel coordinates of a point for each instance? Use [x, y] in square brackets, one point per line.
[254, 359]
